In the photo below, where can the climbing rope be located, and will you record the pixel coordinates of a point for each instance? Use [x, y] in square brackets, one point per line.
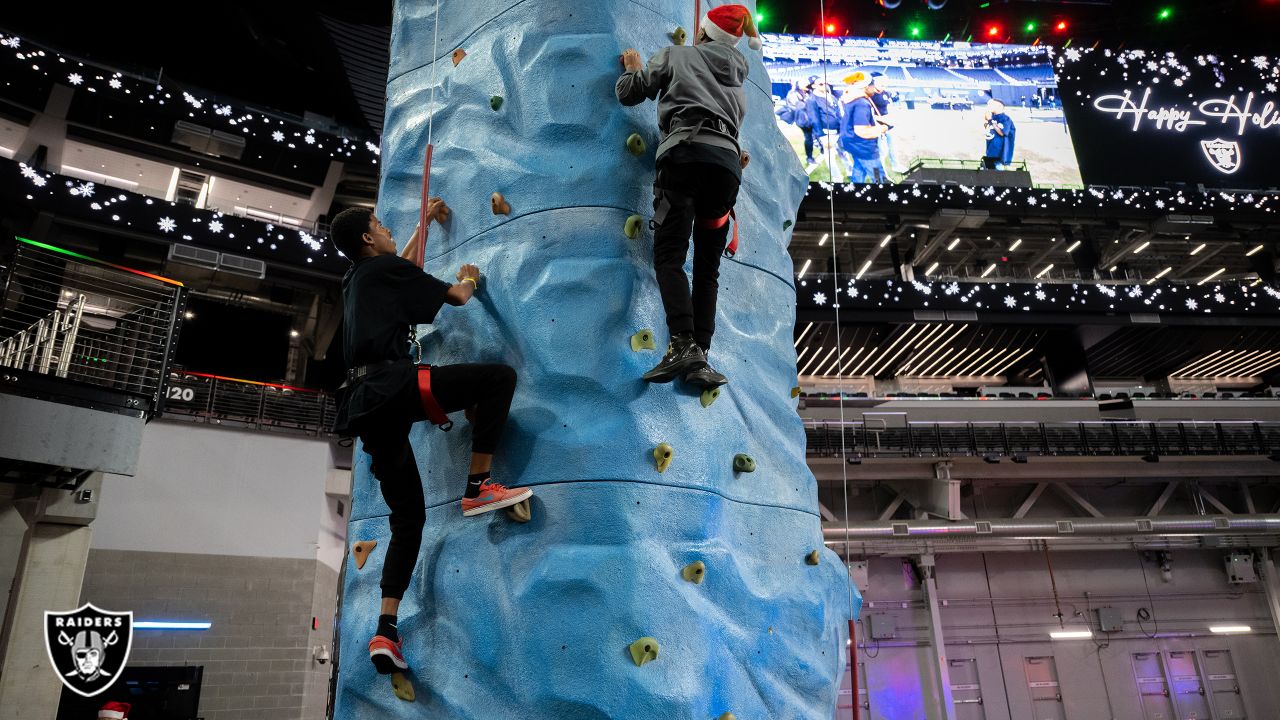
[423, 223]
[835, 293]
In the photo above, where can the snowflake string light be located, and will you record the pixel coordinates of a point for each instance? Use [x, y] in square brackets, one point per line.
[1010, 302]
[83, 190]
[309, 139]
[952, 289]
[167, 224]
[215, 226]
[1191, 304]
[114, 83]
[819, 298]
[75, 79]
[1220, 297]
[277, 136]
[1261, 62]
[223, 110]
[1040, 295]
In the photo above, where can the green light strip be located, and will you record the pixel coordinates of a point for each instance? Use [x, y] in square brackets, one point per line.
[77, 255]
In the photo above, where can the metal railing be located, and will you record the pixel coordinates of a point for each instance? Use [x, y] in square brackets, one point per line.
[70, 316]
[246, 403]
[1120, 438]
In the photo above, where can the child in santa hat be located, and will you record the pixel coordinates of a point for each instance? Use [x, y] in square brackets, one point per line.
[114, 711]
[701, 104]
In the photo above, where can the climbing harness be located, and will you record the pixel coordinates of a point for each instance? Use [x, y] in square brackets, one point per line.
[430, 406]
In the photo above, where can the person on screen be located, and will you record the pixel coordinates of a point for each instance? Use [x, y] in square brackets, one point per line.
[860, 133]
[820, 107]
[1001, 135]
[881, 98]
[792, 106]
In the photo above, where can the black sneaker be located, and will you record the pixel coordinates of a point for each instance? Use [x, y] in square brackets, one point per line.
[706, 377]
[683, 356]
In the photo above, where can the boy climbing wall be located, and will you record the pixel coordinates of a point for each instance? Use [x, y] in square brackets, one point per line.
[386, 393]
[701, 105]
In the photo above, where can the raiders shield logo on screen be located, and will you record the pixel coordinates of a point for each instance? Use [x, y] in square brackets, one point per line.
[1224, 154]
[88, 647]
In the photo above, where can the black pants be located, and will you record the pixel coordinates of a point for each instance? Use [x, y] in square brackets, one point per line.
[487, 388]
[685, 193]
[812, 136]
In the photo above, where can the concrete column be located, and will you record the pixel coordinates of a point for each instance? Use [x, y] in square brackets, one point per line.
[1271, 585]
[322, 197]
[49, 577]
[946, 709]
[49, 128]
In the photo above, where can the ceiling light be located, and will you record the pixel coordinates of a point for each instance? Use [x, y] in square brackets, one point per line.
[1142, 247]
[1224, 629]
[1072, 247]
[823, 240]
[1212, 275]
[956, 242]
[1160, 274]
[886, 240]
[865, 266]
[932, 267]
[1254, 251]
[804, 269]
[990, 268]
[1046, 269]
[1198, 248]
[1015, 244]
[293, 333]
[1071, 634]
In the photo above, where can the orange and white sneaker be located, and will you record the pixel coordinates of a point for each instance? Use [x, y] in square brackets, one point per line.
[386, 655]
[494, 497]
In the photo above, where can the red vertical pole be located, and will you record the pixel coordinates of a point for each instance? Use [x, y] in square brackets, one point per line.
[853, 669]
[422, 211]
[697, 18]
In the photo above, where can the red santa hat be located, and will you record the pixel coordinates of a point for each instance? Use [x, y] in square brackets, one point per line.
[728, 23]
[114, 711]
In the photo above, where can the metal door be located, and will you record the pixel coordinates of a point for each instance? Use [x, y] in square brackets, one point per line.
[1043, 687]
[1224, 686]
[966, 689]
[1189, 692]
[1153, 687]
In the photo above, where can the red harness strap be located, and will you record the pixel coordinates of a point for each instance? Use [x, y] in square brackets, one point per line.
[714, 223]
[434, 412]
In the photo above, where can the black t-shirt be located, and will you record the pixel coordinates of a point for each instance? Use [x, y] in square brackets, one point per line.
[382, 297]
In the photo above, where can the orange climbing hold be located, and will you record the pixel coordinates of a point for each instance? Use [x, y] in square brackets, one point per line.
[458, 55]
[500, 204]
[361, 551]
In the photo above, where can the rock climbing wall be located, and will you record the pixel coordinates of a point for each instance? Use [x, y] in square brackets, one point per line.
[537, 620]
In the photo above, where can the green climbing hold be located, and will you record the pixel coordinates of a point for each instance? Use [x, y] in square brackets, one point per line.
[636, 144]
[694, 572]
[662, 456]
[813, 558]
[644, 650]
[495, 102]
[709, 396]
[402, 687]
[643, 340]
[632, 227]
[743, 463]
[786, 224]
[679, 36]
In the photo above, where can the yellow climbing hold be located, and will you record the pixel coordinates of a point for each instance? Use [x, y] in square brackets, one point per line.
[521, 512]
[361, 551]
[743, 463]
[632, 227]
[694, 572]
[662, 456]
[636, 144]
[679, 36]
[727, 716]
[458, 55]
[643, 340]
[813, 558]
[709, 396]
[402, 687]
[644, 650]
[795, 391]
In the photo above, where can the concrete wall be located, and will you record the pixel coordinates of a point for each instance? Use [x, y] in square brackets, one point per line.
[998, 611]
[234, 528]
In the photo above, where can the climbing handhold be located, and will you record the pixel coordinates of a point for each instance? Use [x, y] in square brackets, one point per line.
[662, 456]
[743, 463]
[495, 102]
[643, 340]
[458, 55]
[402, 687]
[632, 227]
[521, 512]
[636, 144]
[727, 716]
[678, 36]
[694, 572]
[644, 650]
[500, 204]
[786, 224]
[709, 396]
[795, 391]
[361, 551]
[812, 558]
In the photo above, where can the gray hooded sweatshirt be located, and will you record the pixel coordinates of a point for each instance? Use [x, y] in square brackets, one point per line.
[702, 99]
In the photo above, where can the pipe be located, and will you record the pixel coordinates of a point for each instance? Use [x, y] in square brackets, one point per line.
[1173, 525]
[853, 668]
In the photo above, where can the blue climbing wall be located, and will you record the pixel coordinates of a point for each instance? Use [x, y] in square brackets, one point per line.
[507, 620]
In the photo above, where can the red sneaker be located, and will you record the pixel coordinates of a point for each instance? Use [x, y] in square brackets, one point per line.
[494, 497]
[386, 655]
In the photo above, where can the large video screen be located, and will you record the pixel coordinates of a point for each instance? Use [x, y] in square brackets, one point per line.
[1160, 118]
[892, 111]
